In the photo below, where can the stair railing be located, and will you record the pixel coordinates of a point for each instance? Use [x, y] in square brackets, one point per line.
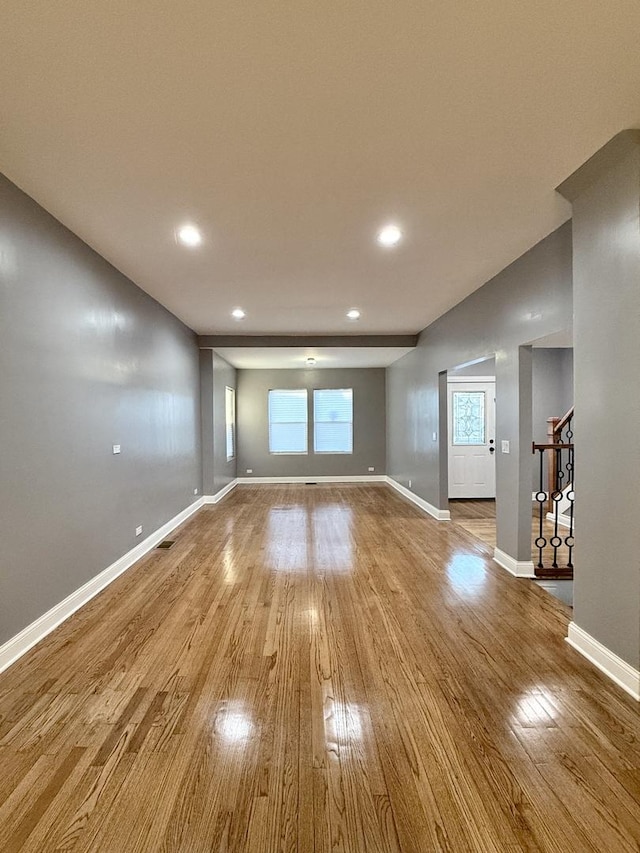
[559, 431]
[559, 465]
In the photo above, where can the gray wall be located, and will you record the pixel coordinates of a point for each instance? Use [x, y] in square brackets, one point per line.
[215, 376]
[529, 299]
[552, 384]
[368, 423]
[606, 216]
[487, 367]
[552, 394]
[87, 360]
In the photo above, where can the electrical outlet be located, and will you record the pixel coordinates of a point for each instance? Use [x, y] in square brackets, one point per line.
[505, 446]
[409, 483]
[371, 469]
[434, 436]
[195, 491]
[116, 448]
[139, 530]
[249, 470]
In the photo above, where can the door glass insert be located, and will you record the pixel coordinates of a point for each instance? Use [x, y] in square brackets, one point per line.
[468, 417]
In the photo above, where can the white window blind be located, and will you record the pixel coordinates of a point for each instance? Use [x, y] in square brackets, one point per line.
[333, 420]
[230, 421]
[288, 421]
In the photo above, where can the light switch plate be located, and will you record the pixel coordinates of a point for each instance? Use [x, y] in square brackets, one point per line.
[116, 448]
[249, 470]
[505, 446]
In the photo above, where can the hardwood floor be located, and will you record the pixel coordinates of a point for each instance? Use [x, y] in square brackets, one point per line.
[478, 517]
[479, 509]
[318, 668]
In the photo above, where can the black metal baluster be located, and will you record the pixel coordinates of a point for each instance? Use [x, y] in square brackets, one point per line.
[555, 497]
[571, 494]
[541, 498]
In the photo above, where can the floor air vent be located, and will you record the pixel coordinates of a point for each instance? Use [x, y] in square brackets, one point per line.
[166, 544]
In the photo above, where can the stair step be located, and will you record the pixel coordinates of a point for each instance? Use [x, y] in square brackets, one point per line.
[561, 573]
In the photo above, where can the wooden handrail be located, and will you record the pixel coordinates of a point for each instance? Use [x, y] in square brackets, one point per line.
[563, 421]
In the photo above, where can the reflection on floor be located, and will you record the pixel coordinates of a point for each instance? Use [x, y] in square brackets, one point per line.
[478, 517]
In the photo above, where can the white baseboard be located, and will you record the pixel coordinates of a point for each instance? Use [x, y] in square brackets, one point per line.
[440, 514]
[563, 520]
[214, 499]
[355, 478]
[38, 630]
[518, 568]
[618, 670]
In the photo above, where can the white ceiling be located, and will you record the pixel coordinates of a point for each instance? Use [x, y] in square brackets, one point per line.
[283, 358]
[290, 132]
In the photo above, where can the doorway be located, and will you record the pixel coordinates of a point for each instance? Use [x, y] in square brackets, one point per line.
[471, 407]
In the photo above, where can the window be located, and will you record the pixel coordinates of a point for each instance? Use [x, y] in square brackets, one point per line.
[230, 421]
[288, 421]
[333, 420]
[468, 418]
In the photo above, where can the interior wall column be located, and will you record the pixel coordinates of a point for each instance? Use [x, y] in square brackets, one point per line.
[206, 419]
[605, 193]
[513, 468]
[443, 433]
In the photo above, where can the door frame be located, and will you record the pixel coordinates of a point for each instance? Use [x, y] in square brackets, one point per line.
[464, 380]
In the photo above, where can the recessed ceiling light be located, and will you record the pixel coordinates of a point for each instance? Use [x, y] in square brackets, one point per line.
[389, 236]
[238, 313]
[189, 235]
[353, 314]
[311, 361]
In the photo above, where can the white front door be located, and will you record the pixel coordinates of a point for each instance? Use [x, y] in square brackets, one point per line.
[472, 419]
